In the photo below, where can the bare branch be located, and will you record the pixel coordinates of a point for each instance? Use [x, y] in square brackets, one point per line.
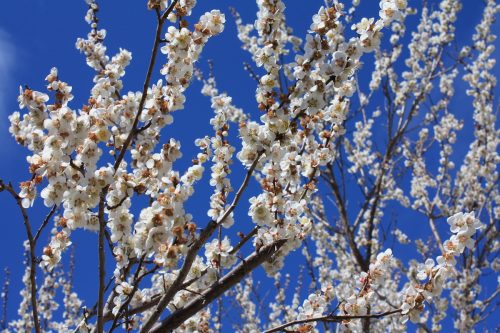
[331, 319]
[45, 222]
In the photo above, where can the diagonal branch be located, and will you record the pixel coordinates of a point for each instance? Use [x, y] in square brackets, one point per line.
[152, 61]
[217, 289]
[44, 223]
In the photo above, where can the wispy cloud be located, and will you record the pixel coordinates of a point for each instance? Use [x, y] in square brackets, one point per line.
[7, 60]
[7, 63]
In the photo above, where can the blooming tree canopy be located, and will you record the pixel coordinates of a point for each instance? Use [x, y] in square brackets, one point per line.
[329, 155]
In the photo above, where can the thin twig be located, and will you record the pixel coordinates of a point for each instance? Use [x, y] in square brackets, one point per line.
[154, 53]
[245, 239]
[130, 297]
[44, 223]
[330, 319]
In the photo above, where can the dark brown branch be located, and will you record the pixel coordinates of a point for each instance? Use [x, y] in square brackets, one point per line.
[175, 287]
[32, 244]
[122, 200]
[109, 241]
[44, 223]
[331, 319]
[344, 218]
[109, 303]
[229, 280]
[80, 168]
[102, 264]
[245, 239]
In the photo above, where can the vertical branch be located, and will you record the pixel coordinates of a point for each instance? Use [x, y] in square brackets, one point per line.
[344, 218]
[219, 268]
[436, 234]
[32, 243]
[5, 299]
[102, 265]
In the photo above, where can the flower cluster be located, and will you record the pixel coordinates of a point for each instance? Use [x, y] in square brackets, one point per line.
[359, 302]
[463, 226]
[219, 253]
[221, 150]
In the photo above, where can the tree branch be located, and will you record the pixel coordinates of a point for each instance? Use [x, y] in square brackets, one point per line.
[45, 222]
[102, 264]
[229, 280]
[32, 244]
[124, 147]
[330, 319]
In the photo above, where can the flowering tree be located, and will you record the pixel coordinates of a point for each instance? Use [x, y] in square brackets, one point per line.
[332, 156]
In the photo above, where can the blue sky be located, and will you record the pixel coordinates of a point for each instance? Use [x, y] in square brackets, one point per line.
[36, 35]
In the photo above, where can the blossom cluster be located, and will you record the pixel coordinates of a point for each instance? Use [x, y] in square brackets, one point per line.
[463, 226]
[314, 144]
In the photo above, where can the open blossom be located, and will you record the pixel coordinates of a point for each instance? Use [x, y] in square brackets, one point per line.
[425, 270]
[339, 61]
[259, 211]
[389, 11]
[356, 306]
[461, 222]
[123, 291]
[380, 268]
[219, 253]
[28, 193]
[412, 305]
[212, 22]
[265, 57]
[314, 305]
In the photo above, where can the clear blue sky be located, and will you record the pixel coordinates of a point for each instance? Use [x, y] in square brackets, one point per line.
[36, 35]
